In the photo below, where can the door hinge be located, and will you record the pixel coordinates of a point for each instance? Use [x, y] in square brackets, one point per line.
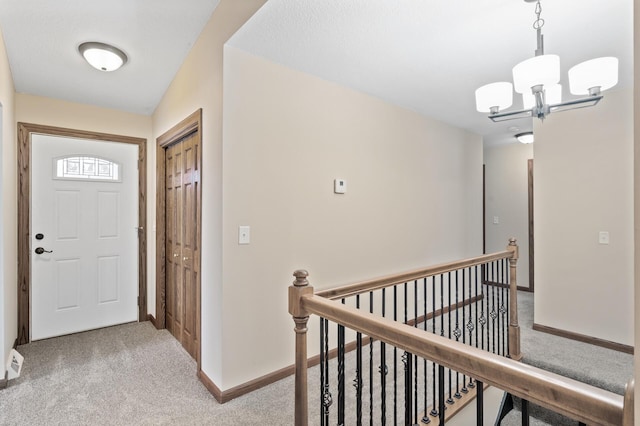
[138, 300]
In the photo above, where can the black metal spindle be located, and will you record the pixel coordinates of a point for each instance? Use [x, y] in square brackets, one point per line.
[371, 365]
[425, 418]
[464, 322]
[415, 357]
[383, 369]
[457, 333]
[508, 306]
[408, 361]
[479, 403]
[525, 412]
[325, 394]
[341, 379]
[395, 359]
[441, 406]
[434, 409]
[470, 326]
[493, 313]
[358, 381]
[503, 311]
[450, 400]
[483, 303]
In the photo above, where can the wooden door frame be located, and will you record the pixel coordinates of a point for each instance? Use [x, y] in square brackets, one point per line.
[25, 130]
[191, 124]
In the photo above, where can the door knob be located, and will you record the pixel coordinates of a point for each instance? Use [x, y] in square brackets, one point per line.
[40, 250]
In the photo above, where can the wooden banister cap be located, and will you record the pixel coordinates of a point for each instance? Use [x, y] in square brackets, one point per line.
[301, 278]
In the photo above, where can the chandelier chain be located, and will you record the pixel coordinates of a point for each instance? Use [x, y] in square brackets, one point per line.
[539, 22]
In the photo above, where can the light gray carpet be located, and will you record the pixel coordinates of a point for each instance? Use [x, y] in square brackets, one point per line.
[600, 367]
[127, 375]
[135, 375]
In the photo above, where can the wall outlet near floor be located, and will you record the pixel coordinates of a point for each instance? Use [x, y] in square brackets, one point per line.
[496, 220]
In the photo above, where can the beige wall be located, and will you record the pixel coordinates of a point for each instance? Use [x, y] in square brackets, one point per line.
[583, 184]
[507, 197]
[59, 113]
[414, 198]
[198, 84]
[8, 214]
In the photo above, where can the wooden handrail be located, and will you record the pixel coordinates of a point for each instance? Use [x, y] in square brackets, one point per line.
[403, 277]
[566, 396]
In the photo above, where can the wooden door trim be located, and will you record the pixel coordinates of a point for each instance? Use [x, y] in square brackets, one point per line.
[25, 130]
[191, 124]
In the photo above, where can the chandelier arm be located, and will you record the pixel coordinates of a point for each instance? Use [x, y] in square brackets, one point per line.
[511, 115]
[587, 101]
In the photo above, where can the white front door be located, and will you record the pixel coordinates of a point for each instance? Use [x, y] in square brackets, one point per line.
[84, 239]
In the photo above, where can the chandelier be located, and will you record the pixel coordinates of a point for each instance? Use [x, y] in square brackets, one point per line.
[538, 80]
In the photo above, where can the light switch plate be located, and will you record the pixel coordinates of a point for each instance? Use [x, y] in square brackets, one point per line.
[339, 186]
[244, 234]
[603, 237]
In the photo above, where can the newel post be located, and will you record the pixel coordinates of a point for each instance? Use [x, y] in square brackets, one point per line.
[300, 316]
[514, 327]
[628, 411]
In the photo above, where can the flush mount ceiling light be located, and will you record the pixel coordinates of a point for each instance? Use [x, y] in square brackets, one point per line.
[526, 137]
[102, 56]
[538, 78]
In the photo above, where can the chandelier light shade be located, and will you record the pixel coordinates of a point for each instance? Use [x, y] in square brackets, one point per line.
[526, 137]
[537, 80]
[599, 73]
[102, 56]
[540, 70]
[494, 95]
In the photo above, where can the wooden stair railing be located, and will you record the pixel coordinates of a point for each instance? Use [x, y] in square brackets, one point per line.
[571, 398]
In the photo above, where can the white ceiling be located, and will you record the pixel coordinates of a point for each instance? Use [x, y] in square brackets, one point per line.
[430, 56]
[42, 38]
[425, 55]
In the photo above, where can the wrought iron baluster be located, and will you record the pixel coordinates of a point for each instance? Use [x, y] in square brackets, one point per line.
[457, 332]
[470, 325]
[434, 409]
[508, 282]
[341, 369]
[395, 359]
[371, 365]
[450, 400]
[441, 407]
[325, 395]
[503, 309]
[479, 403]
[415, 357]
[358, 380]
[525, 412]
[482, 320]
[494, 309]
[464, 322]
[407, 358]
[425, 418]
[383, 369]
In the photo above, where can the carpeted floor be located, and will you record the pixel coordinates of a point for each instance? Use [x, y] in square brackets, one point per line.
[135, 375]
[127, 375]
